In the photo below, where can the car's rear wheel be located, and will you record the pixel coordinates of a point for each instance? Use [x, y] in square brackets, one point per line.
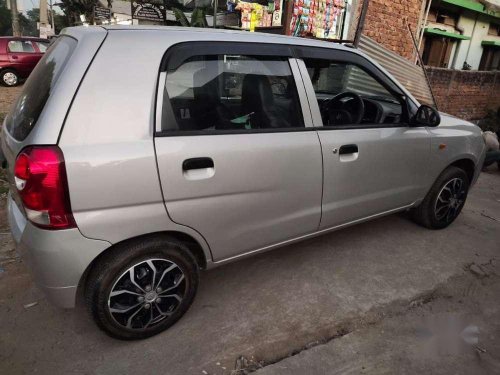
[9, 77]
[141, 288]
[444, 201]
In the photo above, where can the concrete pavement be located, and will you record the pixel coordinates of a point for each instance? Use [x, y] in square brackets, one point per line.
[268, 306]
[456, 331]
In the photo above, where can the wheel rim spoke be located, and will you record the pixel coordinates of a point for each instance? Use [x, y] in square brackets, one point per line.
[132, 279]
[129, 320]
[123, 311]
[440, 216]
[177, 283]
[150, 264]
[173, 266]
[177, 297]
[162, 313]
[118, 292]
[151, 317]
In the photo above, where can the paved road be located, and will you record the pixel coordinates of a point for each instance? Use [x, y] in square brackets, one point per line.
[267, 306]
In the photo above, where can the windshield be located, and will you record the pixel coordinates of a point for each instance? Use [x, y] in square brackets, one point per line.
[38, 88]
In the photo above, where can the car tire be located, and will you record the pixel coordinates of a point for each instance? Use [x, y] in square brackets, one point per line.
[165, 281]
[445, 200]
[9, 78]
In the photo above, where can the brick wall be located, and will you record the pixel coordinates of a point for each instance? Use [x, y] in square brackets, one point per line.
[465, 94]
[386, 23]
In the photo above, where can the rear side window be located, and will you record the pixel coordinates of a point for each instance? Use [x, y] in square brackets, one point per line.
[21, 46]
[38, 88]
[231, 92]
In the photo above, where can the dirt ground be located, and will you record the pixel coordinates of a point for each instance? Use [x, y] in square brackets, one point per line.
[381, 297]
[7, 97]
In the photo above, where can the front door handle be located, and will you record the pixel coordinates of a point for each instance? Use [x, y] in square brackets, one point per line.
[348, 149]
[197, 163]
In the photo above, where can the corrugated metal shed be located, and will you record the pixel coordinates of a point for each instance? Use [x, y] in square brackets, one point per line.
[410, 75]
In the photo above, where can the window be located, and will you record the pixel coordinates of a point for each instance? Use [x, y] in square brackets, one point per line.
[21, 46]
[348, 95]
[42, 46]
[231, 92]
[443, 16]
[490, 59]
[494, 29]
[37, 89]
[437, 51]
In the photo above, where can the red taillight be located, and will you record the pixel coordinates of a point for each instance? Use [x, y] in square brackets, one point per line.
[41, 182]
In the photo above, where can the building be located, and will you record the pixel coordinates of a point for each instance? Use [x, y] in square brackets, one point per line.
[462, 34]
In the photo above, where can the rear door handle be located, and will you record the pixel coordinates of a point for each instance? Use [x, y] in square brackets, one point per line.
[348, 149]
[197, 163]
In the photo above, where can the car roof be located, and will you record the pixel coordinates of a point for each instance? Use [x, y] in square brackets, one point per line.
[220, 33]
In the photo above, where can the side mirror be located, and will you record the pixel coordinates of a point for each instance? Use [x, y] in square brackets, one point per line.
[426, 116]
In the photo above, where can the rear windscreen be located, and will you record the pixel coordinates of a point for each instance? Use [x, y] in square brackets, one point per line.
[38, 88]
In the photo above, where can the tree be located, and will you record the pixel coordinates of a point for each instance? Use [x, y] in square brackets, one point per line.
[16, 30]
[27, 27]
[198, 8]
[60, 20]
[73, 8]
[5, 19]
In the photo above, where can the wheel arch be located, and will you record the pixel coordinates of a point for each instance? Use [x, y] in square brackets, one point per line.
[192, 244]
[9, 68]
[467, 165]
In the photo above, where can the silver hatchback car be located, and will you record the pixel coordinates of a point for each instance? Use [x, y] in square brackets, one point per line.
[138, 156]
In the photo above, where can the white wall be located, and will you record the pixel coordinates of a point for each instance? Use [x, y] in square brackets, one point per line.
[472, 50]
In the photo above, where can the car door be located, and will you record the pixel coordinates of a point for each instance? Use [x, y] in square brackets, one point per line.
[238, 158]
[23, 56]
[374, 163]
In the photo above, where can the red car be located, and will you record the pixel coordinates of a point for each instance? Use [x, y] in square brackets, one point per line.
[18, 57]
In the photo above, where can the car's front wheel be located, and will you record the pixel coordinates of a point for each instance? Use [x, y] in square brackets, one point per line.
[9, 77]
[141, 288]
[445, 200]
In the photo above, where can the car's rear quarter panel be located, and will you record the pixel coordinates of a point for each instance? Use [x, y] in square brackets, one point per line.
[108, 142]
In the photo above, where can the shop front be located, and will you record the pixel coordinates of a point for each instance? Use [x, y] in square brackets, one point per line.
[321, 19]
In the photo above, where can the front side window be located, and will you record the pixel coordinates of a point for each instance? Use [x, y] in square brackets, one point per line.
[20, 46]
[348, 95]
[231, 92]
[42, 46]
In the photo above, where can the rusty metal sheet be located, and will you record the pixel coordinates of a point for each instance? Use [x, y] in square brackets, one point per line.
[410, 75]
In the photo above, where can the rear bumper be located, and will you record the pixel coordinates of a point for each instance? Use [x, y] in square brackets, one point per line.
[57, 258]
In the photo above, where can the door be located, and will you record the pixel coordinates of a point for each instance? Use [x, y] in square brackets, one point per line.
[23, 56]
[373, 161]
[238, 159]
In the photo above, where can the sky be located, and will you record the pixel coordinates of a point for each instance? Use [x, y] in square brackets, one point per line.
[30, 4]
